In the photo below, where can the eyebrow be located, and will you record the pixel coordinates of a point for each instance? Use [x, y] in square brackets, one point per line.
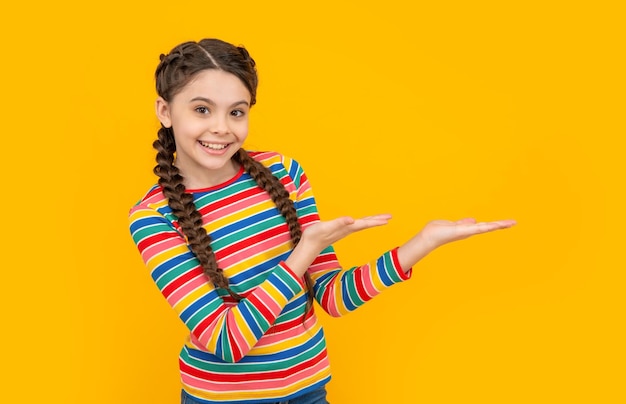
[211, 102]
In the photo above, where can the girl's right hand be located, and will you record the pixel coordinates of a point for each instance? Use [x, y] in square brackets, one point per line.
[325, 233]
[320, 235]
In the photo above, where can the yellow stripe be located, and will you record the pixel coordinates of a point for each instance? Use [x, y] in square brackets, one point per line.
[244, 329]
[163, 256]
[251, 395]
[257, 259]
[378, 283]
[242, 214]
[282, 346]
[212, 343]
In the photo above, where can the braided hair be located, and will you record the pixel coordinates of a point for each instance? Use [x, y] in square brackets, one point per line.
[173, 73]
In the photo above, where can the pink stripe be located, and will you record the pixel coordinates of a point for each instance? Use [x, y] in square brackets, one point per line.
[269, 301]
[367, 281]
[186, 289]
[329, 297]
[255, 249]
[149, 252]
[237, 335]
[239, 205]
[275, 337]
[264, 386]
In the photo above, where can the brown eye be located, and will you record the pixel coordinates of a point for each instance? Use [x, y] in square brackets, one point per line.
[202, 110]
[237, 113]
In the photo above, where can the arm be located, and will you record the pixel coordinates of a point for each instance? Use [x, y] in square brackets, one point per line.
[339, 291]
[228, 331]
[439, 232]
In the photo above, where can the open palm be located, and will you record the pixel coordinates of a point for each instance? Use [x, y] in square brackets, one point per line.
[439, 232]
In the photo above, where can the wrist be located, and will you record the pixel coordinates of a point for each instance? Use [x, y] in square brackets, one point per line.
[301, 257]
[411, 252]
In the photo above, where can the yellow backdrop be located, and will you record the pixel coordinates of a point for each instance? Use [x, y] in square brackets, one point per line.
[426, 111]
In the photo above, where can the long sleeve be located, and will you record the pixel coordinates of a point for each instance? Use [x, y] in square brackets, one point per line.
[340, 291]
[266, 347]
[228, 331]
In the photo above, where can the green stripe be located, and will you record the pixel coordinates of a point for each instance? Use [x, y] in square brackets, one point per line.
[351, 287]
[226, 192]
[261, 321]
[193, 321]
[151, 230]
[393, 274]
[288, 316]
[176, 272]
[255, 367]
[255, 229]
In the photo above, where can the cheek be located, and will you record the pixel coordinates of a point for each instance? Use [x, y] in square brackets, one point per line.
[187, 127]
[241, 129]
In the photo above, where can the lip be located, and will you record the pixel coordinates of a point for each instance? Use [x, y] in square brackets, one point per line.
[214, 151]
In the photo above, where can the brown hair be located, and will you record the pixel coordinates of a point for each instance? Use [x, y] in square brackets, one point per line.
[174, 72]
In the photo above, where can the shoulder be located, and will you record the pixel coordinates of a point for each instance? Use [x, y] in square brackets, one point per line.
[153, 200]
[278, 163]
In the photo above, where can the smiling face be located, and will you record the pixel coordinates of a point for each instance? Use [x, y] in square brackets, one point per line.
[209, 118]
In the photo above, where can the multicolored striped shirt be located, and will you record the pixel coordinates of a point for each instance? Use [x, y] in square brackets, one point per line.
[263, 348]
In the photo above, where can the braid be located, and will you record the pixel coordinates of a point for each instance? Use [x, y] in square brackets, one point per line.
[272, 185]
[176, 70]
[182, 205]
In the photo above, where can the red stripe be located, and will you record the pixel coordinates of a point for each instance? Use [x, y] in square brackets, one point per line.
[156, 190]
[155, 238]
[308, 219]
[360, 286]
[230, 200]
[251, 377]
[256, 238]
[203, 325]
[261, 308]
[288, 325]
[325, 259]
[235, 349]
[303, 179]
[181, 280]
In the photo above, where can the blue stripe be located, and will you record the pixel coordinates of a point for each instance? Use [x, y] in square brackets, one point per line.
[382, 271]
[258, 269]
[303, 203]
[171, 263]
[281, 285]
[250, 320]
[240, 224]
[293, 172]
[193, 308]
[344, 293]
[138, 224]
[286, 354]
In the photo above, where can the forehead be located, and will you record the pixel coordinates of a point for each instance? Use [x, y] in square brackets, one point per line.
[216, 85]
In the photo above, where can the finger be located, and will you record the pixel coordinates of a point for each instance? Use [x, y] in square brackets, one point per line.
[384, 216]
[362, 224]
[483, 227]
[344, 221]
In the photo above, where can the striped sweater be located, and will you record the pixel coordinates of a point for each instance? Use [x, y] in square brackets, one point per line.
[259, 349]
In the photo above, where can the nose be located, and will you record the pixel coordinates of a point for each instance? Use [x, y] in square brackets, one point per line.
[219, 125]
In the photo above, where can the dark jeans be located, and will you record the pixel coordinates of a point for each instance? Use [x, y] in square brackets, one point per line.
[313, 397]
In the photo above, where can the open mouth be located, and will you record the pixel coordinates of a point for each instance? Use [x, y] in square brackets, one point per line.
[213, 146]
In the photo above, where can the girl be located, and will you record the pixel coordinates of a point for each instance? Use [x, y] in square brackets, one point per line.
[233, 240]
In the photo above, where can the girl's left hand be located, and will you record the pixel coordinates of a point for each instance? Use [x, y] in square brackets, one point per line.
[439, 232]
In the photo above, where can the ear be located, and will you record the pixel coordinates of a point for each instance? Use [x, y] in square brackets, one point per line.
[163, 112]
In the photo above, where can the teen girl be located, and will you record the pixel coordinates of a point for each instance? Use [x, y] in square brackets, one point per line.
[233, 240]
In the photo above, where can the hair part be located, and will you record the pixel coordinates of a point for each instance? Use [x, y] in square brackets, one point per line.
[174, 72]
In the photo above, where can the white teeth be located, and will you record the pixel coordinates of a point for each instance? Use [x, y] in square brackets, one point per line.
[213, 146]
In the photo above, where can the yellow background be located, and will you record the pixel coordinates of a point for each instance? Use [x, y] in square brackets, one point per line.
[486, 109]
